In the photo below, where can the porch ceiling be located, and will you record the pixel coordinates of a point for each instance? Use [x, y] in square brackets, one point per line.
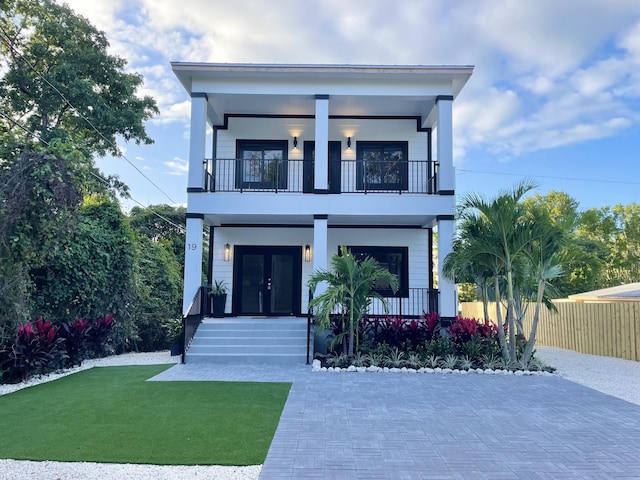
[333, 220]
[340, 105]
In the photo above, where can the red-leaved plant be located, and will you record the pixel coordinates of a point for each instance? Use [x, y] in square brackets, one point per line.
[38, 348]
[100, 335]
[76, 338]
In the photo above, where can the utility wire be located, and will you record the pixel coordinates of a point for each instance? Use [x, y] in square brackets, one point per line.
[549, 177]
[5, 40]
[101, 179]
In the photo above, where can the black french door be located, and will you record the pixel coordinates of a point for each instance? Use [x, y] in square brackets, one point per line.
[267, 280]
[335, 157]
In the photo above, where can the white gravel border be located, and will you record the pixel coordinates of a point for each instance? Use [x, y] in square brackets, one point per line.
[613, 376]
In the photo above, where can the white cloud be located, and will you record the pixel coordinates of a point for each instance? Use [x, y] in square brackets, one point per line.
[177, 166]
[548, 73]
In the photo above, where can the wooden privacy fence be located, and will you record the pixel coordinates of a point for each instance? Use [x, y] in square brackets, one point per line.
[607, 329]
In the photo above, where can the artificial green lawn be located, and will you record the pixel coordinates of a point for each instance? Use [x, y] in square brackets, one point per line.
[111, 414]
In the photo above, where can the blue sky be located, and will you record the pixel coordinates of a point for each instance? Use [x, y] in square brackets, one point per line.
[555, 95]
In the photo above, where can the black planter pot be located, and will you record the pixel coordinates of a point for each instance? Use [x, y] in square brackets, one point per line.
[176, 349]
[219, 301]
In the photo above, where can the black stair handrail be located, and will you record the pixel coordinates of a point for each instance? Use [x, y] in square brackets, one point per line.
[193, 318]
[309, 324]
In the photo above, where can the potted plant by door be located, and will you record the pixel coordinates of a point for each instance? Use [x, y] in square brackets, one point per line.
[219, 298]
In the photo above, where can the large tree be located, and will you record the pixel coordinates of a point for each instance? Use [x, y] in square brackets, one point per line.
[60, 83]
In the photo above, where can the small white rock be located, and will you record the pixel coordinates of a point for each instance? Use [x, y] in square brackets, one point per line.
[361, 369]
[429, 370]
[488, 371]
[411, 370]
[385, 369]
[351, 368]
[519, 373]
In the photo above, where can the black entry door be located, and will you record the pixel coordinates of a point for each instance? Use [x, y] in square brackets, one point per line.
[267, 280]
[335, 157]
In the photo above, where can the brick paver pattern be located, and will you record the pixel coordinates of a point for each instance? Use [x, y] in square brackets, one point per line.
[440, 427]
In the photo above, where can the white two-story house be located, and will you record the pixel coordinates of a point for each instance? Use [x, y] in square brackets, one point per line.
[305, 158]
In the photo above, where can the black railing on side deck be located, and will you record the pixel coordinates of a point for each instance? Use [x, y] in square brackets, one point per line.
[413, 176]
[417, 302]
[309, 324]
[190, 322]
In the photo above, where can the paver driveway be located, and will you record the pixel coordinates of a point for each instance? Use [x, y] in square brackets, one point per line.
[429, 426]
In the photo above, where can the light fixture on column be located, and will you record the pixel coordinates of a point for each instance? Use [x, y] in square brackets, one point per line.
[227, 252]
[295, 142]
[307, 253]
[348, 142]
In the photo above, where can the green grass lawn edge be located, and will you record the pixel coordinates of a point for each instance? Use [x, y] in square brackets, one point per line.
[113, 415]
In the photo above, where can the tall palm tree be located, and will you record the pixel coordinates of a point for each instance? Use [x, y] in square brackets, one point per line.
[349, 290]
[506, 232]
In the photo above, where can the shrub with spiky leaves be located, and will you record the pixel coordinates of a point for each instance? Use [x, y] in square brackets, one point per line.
[76, 339]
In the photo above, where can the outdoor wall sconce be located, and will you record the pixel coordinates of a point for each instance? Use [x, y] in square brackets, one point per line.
[348, 142]
[295, 142]
[227, 252]
[307, 253]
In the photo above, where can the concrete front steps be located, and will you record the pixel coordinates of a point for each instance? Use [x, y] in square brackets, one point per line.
[257, 340]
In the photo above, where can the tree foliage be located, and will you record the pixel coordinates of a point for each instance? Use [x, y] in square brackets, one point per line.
[60, 82]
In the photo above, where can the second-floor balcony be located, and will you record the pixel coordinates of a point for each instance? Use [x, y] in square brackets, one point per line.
[297, 176]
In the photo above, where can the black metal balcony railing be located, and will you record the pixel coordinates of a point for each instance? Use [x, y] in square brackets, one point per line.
[348, 176]
[419, 301]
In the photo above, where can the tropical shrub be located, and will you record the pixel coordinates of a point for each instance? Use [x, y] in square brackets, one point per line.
[76, 340]
[100, 334]
[37, 348]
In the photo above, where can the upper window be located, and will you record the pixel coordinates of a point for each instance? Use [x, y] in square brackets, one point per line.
[394, 259]
[382, 165]
[262, 164]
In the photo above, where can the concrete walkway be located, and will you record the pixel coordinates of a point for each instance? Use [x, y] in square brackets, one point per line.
[427, 426]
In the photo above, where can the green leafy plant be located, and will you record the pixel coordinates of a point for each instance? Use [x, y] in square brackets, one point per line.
[395, 359]
[433, 361]
[465, 363]
[414, 360]
[449, 361]
[218, 288]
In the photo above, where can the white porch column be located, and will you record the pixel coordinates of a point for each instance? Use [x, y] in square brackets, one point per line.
[192, 259]
[446, 179]
[197, 140]
[448, 303]
[320, 247]
[321, 170]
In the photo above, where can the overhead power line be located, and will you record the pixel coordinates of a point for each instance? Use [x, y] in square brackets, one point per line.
[552, 177]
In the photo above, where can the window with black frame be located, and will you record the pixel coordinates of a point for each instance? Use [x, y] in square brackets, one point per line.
[262, 164]
[382, 166]
[394, 259]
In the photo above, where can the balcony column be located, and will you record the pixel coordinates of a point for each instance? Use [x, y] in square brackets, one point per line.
[321, 170]
[446, 176]
[448, 303]
[197, 141]
[320, 247]
[192, 259]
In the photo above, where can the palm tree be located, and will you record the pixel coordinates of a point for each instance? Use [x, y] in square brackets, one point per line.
[543, 258]
[349, 290]
[506, 231]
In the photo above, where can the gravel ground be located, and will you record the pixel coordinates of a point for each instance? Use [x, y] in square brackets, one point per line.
[613, 376]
